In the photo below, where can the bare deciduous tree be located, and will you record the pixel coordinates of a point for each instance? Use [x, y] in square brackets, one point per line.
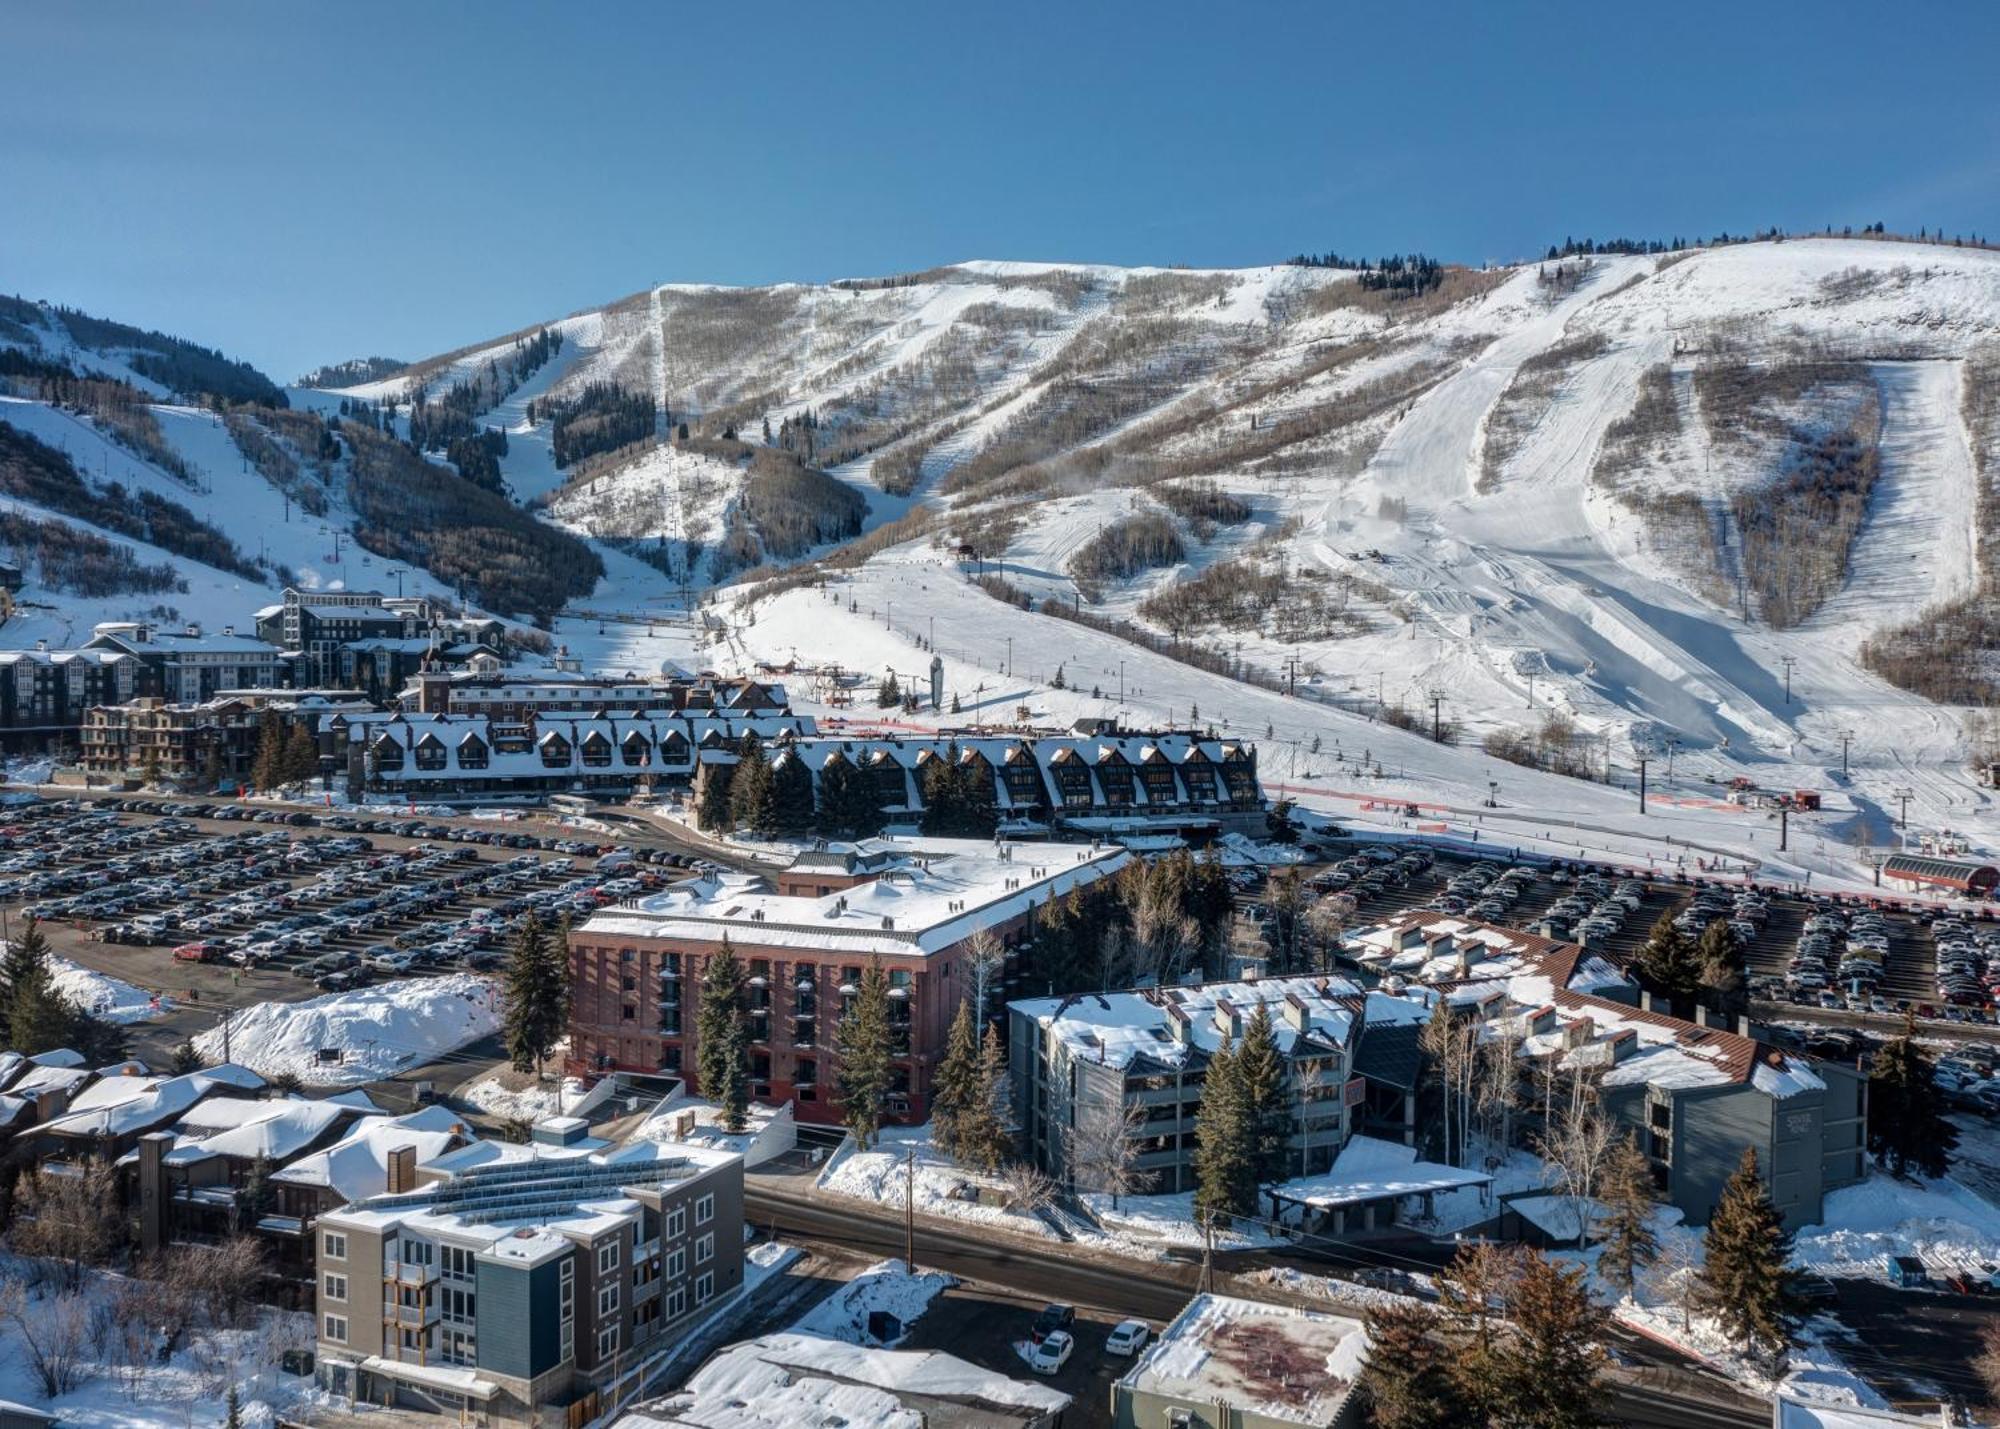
[67, 1217]
[984, 957]
[1029, 1189]
[1102, 1151]
[56, 1333]
[1575, 1144]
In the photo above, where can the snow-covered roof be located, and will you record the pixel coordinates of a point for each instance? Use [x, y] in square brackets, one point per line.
[357, 1166]
[1166, 1026]
[781, 1381]
[123, 1106]
[1368, 1168]
[678, 732]
[1795, 1413]
[272, 1131]
[1293, 1366]
[940, 893]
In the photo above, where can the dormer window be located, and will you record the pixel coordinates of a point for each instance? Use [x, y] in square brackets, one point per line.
[472, 752]
[388, 754]
[555, 752]
[596, 750]
[430, 753]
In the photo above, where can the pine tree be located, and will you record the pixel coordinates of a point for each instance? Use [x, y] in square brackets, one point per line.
[793, 814]
[1907, 1129]
[848, 806]
[863, 1044]
[185, 1060]
[232, 1410]
[1550, 1365]
[721, 1040]
[955, 1082]
[267, 769]
[1408, 1374]
[1260, 1067]
[943, 791]
[301, 756]
[1746, 1281]
[537, 995]
[1625, 1188]
[711, 798]
[1225, 1155]
[888, 694]
[979, 808]
[982, 1126]
[1668, 964]
[149, 772]
[39, 1018]
[752, 797]
[23, 963]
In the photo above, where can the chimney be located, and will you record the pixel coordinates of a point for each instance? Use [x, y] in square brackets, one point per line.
[42, 646]
[193, 630]
[402, 1170]
[1743, 1025]
[1295, 1012]
[52, 1103]
[154, 1195]
[1646, 1003]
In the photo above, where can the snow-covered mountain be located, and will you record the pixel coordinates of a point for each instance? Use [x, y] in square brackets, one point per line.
[1596, 505]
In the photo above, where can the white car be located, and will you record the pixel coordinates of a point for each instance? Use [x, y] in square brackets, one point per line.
[1128, 1337]
[1052, 1353]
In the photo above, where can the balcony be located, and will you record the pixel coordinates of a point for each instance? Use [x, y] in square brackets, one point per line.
[413, 1317]
[402, 1272]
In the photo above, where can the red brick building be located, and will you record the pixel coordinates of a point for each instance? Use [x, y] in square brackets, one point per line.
[805, 934]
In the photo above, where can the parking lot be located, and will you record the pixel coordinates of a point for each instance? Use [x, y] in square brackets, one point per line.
[227, 905]
[983, 1323]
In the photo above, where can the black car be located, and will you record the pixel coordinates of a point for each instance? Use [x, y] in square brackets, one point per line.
[1052, 1318]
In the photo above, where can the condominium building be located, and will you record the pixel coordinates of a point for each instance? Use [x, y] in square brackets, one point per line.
[494, 1281]
[807, 933]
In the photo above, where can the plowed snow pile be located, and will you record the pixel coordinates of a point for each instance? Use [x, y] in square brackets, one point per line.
[360, 1036]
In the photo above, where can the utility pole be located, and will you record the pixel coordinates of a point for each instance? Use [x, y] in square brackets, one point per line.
[1846, 738]
[1437, 715]
[1644, 760]
[910, 1209]
[1208, 1252]
[1788, 661]
[1905, 795]
[1784, 818]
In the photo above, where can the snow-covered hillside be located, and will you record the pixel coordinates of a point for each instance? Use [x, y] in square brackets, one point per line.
[1584, 510]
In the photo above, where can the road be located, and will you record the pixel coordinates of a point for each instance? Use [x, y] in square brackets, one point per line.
[1659, 1393]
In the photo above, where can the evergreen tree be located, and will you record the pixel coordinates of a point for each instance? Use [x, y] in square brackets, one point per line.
[211, 765]
[1625, 1188]
[1746, 1282]
[722, 1058]
[982, 1126]
[537, 995]
[1225, 1155]
[711, 798]
[186, 1060]
[232, 1410]
[753, 801]
[23, 963]
[1669, 965]
[942, 791]
[848, 807]
[1260, 1067]
[955, 1082]
[792, 796]
[863, 1043]
[889, 694]
[979, 808]
[1720, 955]
[1907, 1129]
[1408, 1375]
[149, 772]
[267, 768]
[301, 756]
[1551, 1363]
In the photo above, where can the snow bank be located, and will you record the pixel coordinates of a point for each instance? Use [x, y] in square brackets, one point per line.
[105, 996]
[361, 1036]
[1946, 1225]
[886, 1287]
[512, 1096]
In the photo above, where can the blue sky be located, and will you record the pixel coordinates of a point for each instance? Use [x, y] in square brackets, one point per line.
[298, 184]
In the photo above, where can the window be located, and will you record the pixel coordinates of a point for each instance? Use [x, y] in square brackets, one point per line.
[607, 1300]
[704, 1210]
[607, 1342]
[677, 1263]
[333, 1245]
[416, 1252]
[334, 1327]
[456, 1260]
[704, 1249]
[566, 1307]
[704, 1289]
[677, 1222]
[677, 1302]
[334, 1287]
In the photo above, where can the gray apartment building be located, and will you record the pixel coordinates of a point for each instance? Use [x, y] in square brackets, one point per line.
[1096, 1070]
[517, 1284]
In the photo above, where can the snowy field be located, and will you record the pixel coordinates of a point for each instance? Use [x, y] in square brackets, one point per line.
[346, 1038]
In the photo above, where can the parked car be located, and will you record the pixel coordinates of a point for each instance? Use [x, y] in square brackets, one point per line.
[194, 953]
[1052, 1352]
[1052, 1319]
[1128, 1337]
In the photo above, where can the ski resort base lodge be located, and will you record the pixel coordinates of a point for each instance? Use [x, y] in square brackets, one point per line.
[805, 934]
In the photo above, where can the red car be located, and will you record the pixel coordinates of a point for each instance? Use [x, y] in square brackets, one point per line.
[194, 953]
